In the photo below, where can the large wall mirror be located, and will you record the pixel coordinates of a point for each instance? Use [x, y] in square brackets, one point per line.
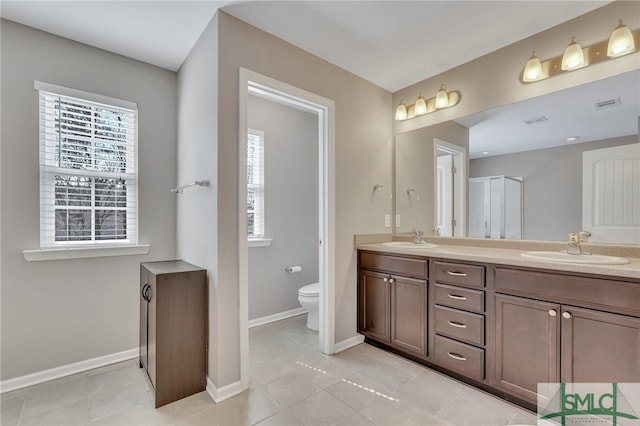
[534, 152]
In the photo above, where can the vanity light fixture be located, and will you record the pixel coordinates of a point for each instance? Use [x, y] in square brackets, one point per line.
[401, 111]
[573, 138]
[573, 56]
[533, 69]
[420, 107]
[443, 99]
[622, 41]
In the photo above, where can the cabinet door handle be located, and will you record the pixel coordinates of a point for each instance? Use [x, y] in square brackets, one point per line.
[552, 312]
[457, 274]
[456, 297]
[457, 324]
[456, 356]
[385, 279]
[566, 315]
[392, 280]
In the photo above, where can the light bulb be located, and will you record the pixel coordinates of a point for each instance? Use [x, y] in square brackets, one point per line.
[442, 99]
[573, 56]
[401, 111]
[533, 69]
[621, 41]
[420, 108]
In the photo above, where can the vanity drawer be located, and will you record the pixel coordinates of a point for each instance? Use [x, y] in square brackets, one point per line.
[459, 297]
[407, 266]
[455, 356]
[459, 273]
[604, 294]
[460, 325]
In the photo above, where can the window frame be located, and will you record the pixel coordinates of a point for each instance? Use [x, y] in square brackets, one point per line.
[49, 171]
[257, 239]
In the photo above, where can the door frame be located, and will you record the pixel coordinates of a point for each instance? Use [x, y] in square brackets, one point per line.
[325, 109]
[459, 181]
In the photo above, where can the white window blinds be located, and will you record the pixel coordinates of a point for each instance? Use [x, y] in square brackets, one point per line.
[88, 168]
[255, 184]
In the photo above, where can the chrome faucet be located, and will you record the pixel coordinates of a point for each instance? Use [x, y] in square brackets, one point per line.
[574, 245]
[418, 236]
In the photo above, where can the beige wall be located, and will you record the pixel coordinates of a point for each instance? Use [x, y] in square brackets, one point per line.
[197, 231]
[362, 159]
[60, 312]
[414, 168]
[494, 79]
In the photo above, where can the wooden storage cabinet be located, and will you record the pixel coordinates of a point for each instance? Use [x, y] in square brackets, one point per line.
[458, 317]
[540, 341]
[173, 328]
[392, 301]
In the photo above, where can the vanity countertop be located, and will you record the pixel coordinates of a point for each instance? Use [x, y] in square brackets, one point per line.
[509, 256]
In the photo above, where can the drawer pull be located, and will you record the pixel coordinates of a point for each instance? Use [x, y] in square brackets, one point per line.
[456, 356]
[457, 274]
[456, 297]
[457, 324]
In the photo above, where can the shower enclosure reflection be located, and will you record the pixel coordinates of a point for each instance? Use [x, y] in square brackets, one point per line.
[495, 207]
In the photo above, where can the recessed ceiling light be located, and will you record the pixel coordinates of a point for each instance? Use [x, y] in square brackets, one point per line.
[485, 152]
[572, 138]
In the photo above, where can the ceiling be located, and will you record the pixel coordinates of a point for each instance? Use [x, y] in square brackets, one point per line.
[393, 44]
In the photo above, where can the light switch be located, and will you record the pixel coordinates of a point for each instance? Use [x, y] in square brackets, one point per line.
[387, 221]
[397, 221]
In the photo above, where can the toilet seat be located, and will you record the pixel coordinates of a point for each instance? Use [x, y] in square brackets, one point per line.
[311, 290]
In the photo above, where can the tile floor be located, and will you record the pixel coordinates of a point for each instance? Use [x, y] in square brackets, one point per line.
[291, 384]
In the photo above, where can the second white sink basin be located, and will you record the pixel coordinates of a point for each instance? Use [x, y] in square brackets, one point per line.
[590, 259]
[408, 244]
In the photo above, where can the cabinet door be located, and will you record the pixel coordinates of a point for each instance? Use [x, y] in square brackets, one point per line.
[599, 347]
[527, 346]
[409, 315]
[144, 280]
[374, 306]
[152, 295]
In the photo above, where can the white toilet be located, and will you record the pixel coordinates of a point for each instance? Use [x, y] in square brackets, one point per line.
[309, 298]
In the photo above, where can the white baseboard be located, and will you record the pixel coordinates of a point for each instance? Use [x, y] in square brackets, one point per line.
[67, 370]
[225, 392]
[276, 317]
[348, 343]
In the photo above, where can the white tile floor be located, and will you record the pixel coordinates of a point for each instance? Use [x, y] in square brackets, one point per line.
[291, 384]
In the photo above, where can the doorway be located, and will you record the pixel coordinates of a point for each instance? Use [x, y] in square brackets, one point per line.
[268, 88]
[451, 190]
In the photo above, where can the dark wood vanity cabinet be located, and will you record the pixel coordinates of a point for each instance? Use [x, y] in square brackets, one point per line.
[392, 302]
[502, 328]
[173, 328]
[547, 338]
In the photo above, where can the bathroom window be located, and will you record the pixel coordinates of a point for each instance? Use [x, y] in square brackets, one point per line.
[255, 184]
[88, 168]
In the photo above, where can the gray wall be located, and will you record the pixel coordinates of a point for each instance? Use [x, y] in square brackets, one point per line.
[291, 207]
[552, 185]
[60, 312]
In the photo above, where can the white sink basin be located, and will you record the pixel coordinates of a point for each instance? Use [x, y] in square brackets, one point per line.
[408, 245]
[590, 259]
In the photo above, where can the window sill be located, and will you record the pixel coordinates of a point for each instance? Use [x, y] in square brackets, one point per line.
[259, 242]
[84, 252]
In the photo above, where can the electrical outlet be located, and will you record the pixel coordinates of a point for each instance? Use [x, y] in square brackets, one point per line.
[397, 221]
[387, 221]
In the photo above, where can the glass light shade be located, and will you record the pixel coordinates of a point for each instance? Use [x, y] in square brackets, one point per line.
[573, 56]
[621, 41]
[401, 112]
[420, 108]
[533, 69]
[442, 99]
